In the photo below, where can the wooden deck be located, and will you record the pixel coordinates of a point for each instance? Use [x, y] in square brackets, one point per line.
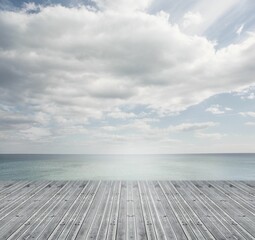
[127, 210]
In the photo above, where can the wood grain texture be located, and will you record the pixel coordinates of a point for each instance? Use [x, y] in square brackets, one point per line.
[139, 210]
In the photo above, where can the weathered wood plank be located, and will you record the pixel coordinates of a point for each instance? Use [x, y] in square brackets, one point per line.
[159, 208]
[241, 215]
[139, 218]
[178, 211]
[68, 218]
[214, 224]
[192, 212]
[35, 203]
[35, 225]
[88, 221]
[157, 215]
[104, 225]
[143, 210]
[80, 214]
[14, 212]
[170, 212]
[150, 229]
[112, 228]
[222, 211]
[99, 216]
[54, 216]
[131, 231]
[122, 216]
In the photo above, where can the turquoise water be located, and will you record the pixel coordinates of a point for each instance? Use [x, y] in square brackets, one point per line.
[128, 167]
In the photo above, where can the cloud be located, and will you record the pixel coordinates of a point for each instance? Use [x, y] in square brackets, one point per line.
[10, 120]
[250, 123]
[123, 5]
[118, 114]
[213, 136]
[63, 67]
[35, 133]
[217, 109]
[211, 13]
[191, 18]
[240, 29]
[247, 93]
[247, 114]
[251, 96]
[185, 127]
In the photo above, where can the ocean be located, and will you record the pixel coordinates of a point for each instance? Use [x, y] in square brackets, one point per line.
[127, 167]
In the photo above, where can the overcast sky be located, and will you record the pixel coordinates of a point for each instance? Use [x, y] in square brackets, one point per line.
[127, 76]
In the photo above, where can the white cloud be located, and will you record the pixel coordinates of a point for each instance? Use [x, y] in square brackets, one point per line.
[240, 29]
[191, 18]
[184, 127]
[63, 67]
[118, 114]
[87, 60]
[35, 133]
[211, 13]
[217, 109]
[247, 114]
[214, 109]
[247, 93]
[251, 96]
[250, 123]
[123, 5]
[213, 136]
[31, 7]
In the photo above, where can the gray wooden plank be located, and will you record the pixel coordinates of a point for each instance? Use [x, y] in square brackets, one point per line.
[34, 204]
[112, 228]
[104, 225]
[73, 226]
[250, 183]
[67, 220]
[213, 223]
[33, 227]
[19, 196]
[244, 186]
[195, 222]
[6, 184]
[127, 210]
[131, 231]
[150, 229]
[122, 217]
[233, 189]
[161, 213]
[83, 213]
[231, 193]
[88, 221]
[13, 212]
[223, 213]
[139, 218]
[154, 213]
[170, 212]
[57, 212]
[244, 217]
[100, 214]
[216, 212]
[177, 209]
[11, 188]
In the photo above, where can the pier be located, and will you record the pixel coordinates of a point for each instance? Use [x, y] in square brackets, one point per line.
[127, 210]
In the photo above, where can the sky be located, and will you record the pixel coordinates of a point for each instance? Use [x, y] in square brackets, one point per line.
[127, 76]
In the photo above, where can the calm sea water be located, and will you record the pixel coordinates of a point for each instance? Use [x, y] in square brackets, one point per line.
[128, 167]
